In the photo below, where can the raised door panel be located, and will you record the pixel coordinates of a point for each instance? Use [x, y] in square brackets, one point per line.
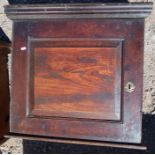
[74, 79]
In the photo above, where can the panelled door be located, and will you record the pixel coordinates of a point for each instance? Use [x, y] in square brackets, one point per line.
[78, 79]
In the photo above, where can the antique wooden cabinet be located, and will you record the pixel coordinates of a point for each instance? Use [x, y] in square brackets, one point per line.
[4, 90]
[77, 72]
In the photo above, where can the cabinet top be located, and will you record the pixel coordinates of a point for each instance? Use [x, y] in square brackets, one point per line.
[78, 11]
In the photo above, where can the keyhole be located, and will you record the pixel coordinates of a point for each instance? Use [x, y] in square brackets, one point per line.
[129, 87]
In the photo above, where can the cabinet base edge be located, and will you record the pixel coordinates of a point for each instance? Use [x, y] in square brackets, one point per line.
[79, 142]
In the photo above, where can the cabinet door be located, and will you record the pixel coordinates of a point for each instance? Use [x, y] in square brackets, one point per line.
[78, 79]
[4, 91]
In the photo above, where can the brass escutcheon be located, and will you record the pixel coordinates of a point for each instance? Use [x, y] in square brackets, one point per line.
[129, 87]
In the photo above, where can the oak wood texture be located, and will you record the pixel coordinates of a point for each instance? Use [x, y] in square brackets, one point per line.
[69, 75]
[4, 91]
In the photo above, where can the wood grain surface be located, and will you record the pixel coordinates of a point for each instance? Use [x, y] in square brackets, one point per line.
[54, 66]
[77, 82]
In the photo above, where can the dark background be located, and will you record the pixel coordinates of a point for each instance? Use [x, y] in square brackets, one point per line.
[3, 36]
[51, 148]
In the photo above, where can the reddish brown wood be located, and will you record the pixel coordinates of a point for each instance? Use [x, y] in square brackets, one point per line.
[69, 76]
[76, 80]
[4, 91]
[23, 91]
